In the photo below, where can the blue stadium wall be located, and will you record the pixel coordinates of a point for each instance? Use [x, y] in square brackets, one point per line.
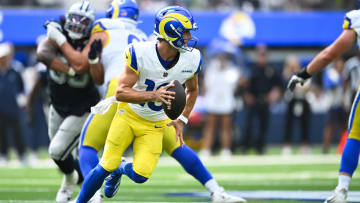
[22, 27]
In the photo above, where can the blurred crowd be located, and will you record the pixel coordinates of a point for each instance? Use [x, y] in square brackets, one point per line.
[243, 104]
[246, 5]
[257, 92]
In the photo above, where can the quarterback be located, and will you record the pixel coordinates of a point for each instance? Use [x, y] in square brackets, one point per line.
[350, 156]
[150, 67]
[115, 32]
[72, 91]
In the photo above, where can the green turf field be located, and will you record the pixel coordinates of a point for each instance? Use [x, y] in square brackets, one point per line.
[169, 181]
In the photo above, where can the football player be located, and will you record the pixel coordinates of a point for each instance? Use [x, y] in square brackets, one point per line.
[150, 66]
[115, 32]
[350, 156]
[72, 91]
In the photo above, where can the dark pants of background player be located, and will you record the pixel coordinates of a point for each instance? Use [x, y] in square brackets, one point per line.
[261, 112]
[10, 123]
[297, 109]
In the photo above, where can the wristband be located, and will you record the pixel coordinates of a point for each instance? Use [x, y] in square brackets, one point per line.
[93, 61]
[60, 40]
[71, 72]
[183, 119]
[304, 74]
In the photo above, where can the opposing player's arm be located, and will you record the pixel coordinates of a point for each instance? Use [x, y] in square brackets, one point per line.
[192, 91]
[343, 43]
[96, 68]
[126, 93]
[46, 53]
[77, 59]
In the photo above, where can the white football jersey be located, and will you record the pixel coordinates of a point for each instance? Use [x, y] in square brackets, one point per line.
[143, 58]
[352, 21]
[121, 32]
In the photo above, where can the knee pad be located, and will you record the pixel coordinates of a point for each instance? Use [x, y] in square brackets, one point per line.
[56, 151]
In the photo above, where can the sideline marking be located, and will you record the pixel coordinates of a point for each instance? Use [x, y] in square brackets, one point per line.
[277, 195]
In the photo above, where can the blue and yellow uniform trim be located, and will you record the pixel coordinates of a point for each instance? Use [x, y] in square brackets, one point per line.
[199, 66]
[347, 23]
[130, 58]
[354, 120]
[99, 27]
[97, 126]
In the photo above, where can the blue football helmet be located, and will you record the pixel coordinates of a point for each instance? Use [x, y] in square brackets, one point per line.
[171, 23]
[123, 9]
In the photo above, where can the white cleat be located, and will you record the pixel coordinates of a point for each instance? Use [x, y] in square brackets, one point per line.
[223, 197]
[67, 189]
[97, 198]
[339, 196]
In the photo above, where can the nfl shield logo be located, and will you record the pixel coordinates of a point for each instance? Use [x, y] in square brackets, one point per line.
[165, 74]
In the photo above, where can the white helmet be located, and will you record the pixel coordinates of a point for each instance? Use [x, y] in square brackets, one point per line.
[79, 20]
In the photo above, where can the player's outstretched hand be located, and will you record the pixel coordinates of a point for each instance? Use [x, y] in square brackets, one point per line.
[162, 95]
[54, 24]
[179, 127]
[54, 32]
[95, 49]
[298, 77]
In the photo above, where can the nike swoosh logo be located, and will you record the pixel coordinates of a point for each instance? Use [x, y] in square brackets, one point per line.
[157, 126]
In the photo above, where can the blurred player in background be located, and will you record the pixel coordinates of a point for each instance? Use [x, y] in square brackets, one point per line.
[350, 156]
[72, 91]
[189, 159]
[114, 33]
[12, 99]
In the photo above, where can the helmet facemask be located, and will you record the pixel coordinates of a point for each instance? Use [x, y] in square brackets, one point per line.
[77, 25]
[79, 20]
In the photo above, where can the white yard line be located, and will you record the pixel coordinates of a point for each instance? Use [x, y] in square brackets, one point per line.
[249, 160]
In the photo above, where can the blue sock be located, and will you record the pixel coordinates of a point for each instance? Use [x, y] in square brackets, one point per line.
[190, 161]
[350, 156]
[127, 169]
[88, 159]
[92, 183]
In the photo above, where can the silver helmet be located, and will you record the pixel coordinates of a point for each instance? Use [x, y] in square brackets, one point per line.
[79, 19]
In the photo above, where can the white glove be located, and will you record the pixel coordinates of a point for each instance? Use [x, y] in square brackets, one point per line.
[295, 80]
[54, 33]
[298, 77]
[103, 106]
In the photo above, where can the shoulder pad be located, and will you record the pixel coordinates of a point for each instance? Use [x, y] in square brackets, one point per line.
[352, 20]
[100, 25]
[130, 58]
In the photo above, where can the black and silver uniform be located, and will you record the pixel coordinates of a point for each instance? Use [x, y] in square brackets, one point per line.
[71, 95]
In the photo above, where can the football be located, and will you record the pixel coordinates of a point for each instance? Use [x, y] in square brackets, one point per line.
[178, 103]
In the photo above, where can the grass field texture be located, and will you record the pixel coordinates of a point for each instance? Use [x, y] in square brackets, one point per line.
[170, 183]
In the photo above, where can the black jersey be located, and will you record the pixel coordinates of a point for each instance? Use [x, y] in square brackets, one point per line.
[71, 95]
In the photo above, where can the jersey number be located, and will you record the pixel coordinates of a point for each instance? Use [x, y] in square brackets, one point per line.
[78, 81]
[150, 87]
